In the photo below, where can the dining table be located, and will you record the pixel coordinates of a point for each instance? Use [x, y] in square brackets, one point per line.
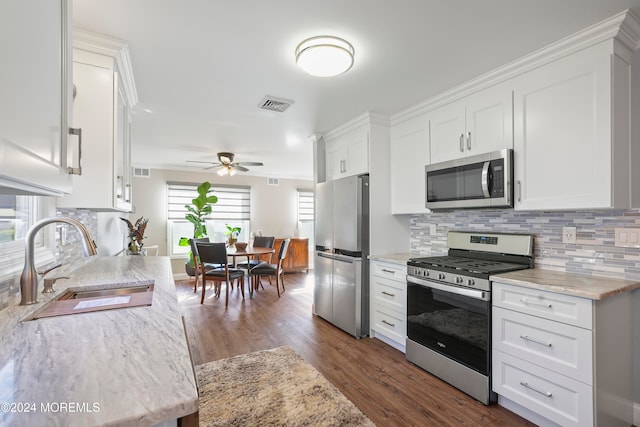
[249, 252]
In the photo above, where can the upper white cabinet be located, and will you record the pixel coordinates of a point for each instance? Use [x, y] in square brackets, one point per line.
[36, 93]
[476, 124]
[572, 141]
[409, 155]
[104, 95]
[348, 153]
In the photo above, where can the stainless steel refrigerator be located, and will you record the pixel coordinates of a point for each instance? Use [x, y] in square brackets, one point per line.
[341, 292]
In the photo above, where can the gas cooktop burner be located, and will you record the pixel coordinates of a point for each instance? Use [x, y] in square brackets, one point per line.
[463, 264]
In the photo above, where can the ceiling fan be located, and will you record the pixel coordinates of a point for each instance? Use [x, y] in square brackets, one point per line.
[226, 165]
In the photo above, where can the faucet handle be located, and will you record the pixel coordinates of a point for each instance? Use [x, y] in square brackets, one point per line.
[49, 267]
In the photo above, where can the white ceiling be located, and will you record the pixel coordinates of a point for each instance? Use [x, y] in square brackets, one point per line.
[202, 66]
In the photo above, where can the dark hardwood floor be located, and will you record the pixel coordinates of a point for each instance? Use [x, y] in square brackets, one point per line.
[374, 376]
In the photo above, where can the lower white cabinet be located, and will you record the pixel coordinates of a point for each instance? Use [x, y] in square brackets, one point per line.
[388, 299]
[564, 358]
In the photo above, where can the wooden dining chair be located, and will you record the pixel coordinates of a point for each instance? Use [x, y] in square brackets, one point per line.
[258, 242]
[196, 259]
[216, 254]
[267, 269]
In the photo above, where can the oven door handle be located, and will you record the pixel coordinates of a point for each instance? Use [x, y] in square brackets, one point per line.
[472, 293]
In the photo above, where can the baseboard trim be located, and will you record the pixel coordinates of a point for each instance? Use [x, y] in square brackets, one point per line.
[181, 276]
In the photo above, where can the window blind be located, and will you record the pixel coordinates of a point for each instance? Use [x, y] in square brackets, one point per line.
[234, 202]
[305, 205]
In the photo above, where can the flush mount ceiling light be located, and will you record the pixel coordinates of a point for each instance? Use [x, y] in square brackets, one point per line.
[324, 56]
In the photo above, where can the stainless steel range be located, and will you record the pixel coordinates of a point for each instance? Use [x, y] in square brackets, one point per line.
[449, 307]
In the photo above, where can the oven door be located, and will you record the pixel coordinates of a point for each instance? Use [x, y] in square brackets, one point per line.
[453, 321]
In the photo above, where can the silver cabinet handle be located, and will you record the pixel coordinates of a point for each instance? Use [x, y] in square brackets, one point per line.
[519, 191]
[526, 385]
[539, 304]
[528, 338]
[386, 270]
[462, 142]
[127, 193]
[389, 323]
[71, 170]
[468, 140]
[388, 294]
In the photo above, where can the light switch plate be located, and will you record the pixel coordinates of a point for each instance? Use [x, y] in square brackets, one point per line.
[628, 237]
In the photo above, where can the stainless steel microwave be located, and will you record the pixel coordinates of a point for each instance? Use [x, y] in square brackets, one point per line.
[481, 181]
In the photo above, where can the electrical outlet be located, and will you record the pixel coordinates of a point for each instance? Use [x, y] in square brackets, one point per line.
[568, 234]
[628, 237]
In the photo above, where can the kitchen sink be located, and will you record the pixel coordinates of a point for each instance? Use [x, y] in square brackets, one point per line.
[98, 298]
[79, 294]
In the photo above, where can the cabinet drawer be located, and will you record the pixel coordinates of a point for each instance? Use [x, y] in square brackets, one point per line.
[556, 346]
[390, 271]
[560, 399]
[548, 305]
[390, 294]
[390, 324]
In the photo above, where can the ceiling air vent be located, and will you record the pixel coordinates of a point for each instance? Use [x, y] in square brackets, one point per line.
[142, 172]
[273, 181]
[274, 104]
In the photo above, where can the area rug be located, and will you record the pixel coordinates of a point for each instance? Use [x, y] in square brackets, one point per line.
[273, 387]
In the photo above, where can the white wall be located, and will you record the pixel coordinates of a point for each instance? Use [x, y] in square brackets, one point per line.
[273, 208]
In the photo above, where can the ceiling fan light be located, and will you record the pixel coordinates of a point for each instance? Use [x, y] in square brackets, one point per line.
[232, 171]
[223, 171]
[325, 56]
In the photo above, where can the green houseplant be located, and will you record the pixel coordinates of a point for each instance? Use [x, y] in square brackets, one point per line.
[232, 234]
[200, 207]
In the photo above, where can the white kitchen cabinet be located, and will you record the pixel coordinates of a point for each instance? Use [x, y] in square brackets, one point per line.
[388, 303]
[102, 103]
[476, 124]
[571, 126]
[36, 93]
[409, 155]
[348, 154]
[563, 358]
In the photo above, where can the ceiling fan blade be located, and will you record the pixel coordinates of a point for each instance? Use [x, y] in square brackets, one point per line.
[238, 167]
[247, 164]
[211, 167]
[200, 161]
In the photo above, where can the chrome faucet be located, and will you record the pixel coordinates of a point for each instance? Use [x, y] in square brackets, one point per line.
[29, 278]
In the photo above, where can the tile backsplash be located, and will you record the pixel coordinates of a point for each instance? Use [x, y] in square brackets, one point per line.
[594, 253]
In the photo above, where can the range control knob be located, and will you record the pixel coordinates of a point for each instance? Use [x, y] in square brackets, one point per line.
[459, 279]
[470, 282]
[426, 273]
[441, 276]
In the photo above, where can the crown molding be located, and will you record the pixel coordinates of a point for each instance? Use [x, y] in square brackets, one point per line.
[115, 48]
[367, 119]
[624, 27]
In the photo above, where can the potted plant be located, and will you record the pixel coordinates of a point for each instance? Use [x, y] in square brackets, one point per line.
[199, 208]
[232, 234]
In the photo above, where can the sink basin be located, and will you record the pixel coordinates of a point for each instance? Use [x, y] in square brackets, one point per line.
[83, 293]
[98, 298]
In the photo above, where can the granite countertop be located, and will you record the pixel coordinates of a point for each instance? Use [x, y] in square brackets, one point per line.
[394, 258]
[126, 367]
[579, 285]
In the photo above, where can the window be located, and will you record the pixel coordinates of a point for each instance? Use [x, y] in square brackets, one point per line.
[233, 208]
[17, 214]
[305, 216]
